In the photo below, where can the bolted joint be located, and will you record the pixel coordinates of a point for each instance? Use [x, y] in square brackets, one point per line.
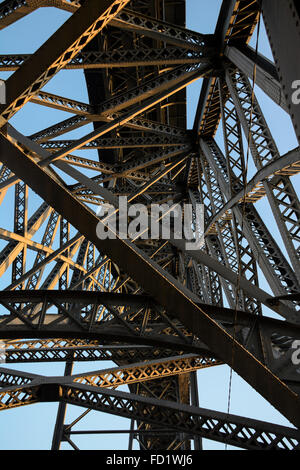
[49, 392]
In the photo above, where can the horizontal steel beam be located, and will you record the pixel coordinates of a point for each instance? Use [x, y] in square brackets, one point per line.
[132, 141]
[60, 350]
[247, 327]
[13, 10]
[118, 58]
[234, 430]
[165, 289]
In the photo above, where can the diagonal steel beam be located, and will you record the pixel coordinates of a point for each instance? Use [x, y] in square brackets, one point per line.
[138, 123]
[281, 195]
[13, 248]
[167, 291]
[161, 30]
[288, 164]
[197, 255]
[59, 350]
[131, 141]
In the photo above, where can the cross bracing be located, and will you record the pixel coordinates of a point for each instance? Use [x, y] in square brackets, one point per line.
[158, 311]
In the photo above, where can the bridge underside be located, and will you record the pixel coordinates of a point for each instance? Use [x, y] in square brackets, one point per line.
[159, 310]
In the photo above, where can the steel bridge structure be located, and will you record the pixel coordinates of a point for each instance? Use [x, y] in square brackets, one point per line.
[159, 311]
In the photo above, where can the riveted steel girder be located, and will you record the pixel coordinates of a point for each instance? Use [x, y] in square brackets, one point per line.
[171, 294]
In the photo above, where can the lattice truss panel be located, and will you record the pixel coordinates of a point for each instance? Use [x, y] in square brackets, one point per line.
[158, 312]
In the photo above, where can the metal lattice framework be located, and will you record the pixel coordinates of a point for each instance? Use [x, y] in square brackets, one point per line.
[158, 311]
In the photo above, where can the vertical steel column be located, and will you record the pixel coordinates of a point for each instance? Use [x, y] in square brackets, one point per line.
[195, 402]
[236, 171]
[20, 227]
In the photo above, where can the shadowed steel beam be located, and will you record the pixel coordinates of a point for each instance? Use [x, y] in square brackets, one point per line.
[117, 58]
[225, 19]
[84, 298]
[59, 349]
[278, 335]
[166, 290]
[146, 89]
[60, 128]
[120, 121]
[205, 423]
[70, 296]
[236, 23]
[54, 327]
[124, 376]
[151, 27]
[205, 95]
[274, 264]
[137, 122]
[61, 412]
[197, 255]
[282, 198]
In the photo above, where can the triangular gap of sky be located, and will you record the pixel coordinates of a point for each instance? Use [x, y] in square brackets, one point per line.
[31, 427]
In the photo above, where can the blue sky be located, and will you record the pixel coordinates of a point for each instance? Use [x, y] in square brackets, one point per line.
[31, 427]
